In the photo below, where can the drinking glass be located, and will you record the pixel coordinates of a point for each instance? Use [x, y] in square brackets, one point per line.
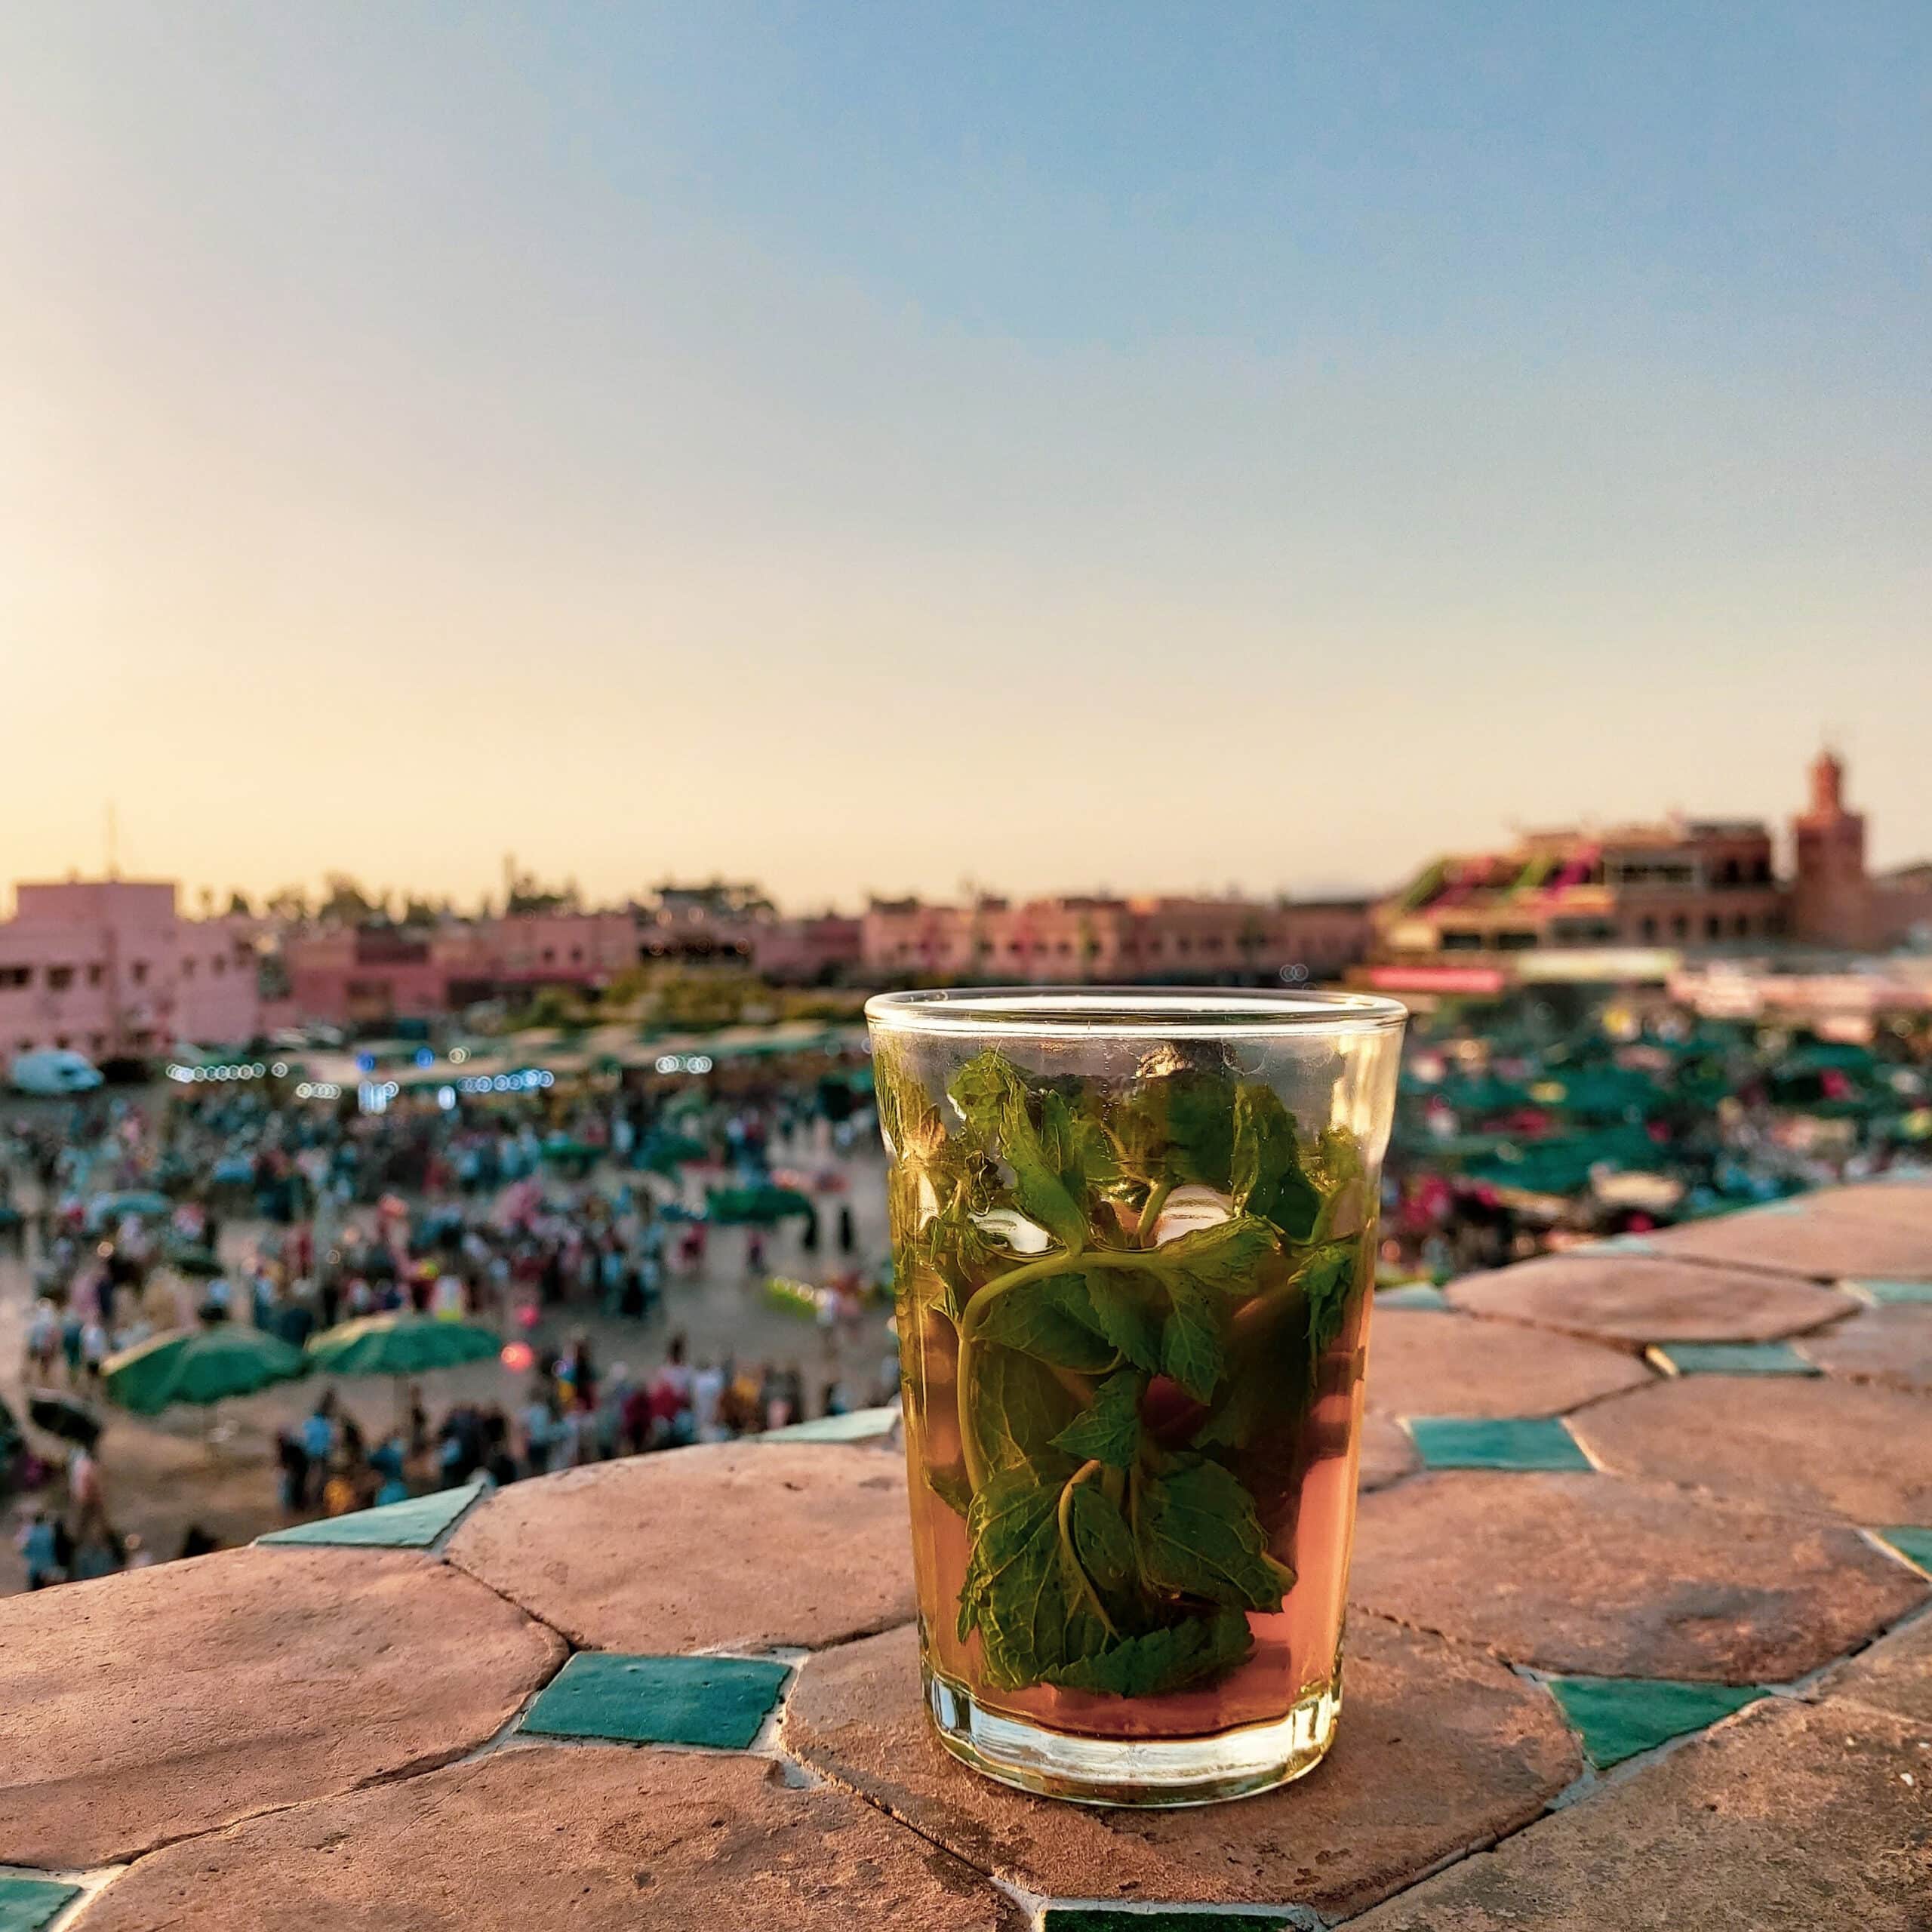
[1134, 1242]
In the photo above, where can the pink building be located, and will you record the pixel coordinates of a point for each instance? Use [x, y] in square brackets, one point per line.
[1100, 940]
[109, 967]
[808, 951]
[371, 975]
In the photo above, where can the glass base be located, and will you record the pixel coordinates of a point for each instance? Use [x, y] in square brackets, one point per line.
[1148, 1772]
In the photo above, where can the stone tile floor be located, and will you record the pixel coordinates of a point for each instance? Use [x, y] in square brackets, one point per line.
[1639, 1637]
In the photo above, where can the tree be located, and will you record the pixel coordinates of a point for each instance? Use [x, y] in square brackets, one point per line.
[551, 1006]
[344, 902]
[527, 894]
[288, 903]
[238, 907]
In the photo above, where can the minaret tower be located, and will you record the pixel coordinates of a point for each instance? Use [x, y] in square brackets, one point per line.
[1831, 892]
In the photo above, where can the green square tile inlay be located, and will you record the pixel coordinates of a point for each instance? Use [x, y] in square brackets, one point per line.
[27, 1904]
[1170, 1918]
[1914, 1545]
[1467, 1442]
[1892, 1293]
[859, 1425]
[719, 1701]
[1414, 1294]
[412, 1525]
[1732, 1358]
[1617, 1717]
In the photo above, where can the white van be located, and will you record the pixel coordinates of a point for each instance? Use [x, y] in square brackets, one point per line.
[54, 1070]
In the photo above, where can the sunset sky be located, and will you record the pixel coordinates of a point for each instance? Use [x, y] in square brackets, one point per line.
[866, 446]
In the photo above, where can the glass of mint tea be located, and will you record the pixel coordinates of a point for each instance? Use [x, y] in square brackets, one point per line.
[1134, 1242]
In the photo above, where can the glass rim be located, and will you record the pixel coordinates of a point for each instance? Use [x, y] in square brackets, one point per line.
[1086, 1012]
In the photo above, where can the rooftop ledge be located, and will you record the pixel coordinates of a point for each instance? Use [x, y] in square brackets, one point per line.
[1639, 1638]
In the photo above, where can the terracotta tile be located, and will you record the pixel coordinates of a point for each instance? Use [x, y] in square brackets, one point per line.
[1785, 1819]
[1438, 1748]
[1825, 1242]
[1629, 1298]
[740, 1546]
[1423, 1364]
[1906, 1204]
[1590, 1575]
[173, 1700]
[1856, 1450]
[543, 1837]
[1895, 1674]
[1891, 1344]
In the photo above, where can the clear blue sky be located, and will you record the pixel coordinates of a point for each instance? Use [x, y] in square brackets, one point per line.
[867, 445]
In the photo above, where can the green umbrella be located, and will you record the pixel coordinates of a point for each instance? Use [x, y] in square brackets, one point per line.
[400, 1345]
[732, 1207]
[663, 1152]
[201, 1366]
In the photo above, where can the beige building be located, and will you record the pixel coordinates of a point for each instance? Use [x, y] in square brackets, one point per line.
[1676, 884]
[1102, 940]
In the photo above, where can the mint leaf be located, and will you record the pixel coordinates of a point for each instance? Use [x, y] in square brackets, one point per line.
[1101, 1539]
[1328, 1279]
[1340, 1173]
[1177, 1127]
[1024, 1591]
[1165, 1659]
[1192, 1350]
[1201, 1128]
[907, 1118]
[952, 1251]
[987, 1090]
[1224, 1256]
[1018, 1406]
[1127, 1309]
[1076, 1147]
[1053, 1318]
[992, 1097]
[951, 1490]
[1268, 1381]
[1198, 1535]
[1267, 1178]
[1109, 1431]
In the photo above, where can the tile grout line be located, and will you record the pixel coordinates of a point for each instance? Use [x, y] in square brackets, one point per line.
[571, 1645]
[1298, 1918]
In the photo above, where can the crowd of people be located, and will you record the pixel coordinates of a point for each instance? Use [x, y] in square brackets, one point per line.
[148, 1217]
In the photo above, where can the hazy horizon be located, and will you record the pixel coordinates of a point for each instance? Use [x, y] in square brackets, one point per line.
[864, 449]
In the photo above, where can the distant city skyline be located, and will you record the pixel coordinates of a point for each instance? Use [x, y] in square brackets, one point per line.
[494, 894]
[865, 449]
